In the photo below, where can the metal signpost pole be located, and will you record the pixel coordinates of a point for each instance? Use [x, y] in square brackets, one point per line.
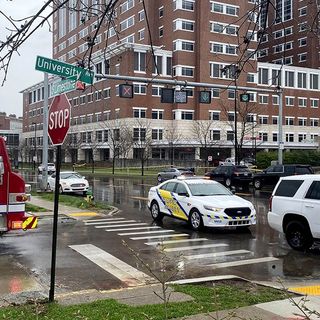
[280, 124]
[55, 225]
[45, 134]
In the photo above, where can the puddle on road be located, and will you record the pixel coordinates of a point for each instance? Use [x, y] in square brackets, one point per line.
[14, 279]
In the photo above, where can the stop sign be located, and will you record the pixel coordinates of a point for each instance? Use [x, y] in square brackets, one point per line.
[59, 119]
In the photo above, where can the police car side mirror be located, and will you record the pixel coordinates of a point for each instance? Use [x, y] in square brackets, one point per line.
[183, 194]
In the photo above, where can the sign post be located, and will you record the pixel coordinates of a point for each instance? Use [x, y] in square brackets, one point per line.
[58, 126]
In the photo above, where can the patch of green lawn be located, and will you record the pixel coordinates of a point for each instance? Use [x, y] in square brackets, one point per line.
[206, 299]
[32, 208]
[75, 201]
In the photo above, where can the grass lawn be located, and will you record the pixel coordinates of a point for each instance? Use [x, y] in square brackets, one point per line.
[32, 208]
[207, 298]
[74, 201]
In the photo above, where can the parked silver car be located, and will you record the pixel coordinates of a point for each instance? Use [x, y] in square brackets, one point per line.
[172, 173]
[51, 168]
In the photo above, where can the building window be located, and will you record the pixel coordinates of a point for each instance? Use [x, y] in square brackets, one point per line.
[139, 88]
[215, 135]
[274, 120]
[263, 136]
[275, 100]
[186, 115]
[302, 122]
[275, 137]
[141, 15]
[125, 24]
[314, 81]
[140, 61]
[302, 11]
[161, 12]
[302, 102]
[186, 25]
[156, 91]
[157, 134]
[263, 120]
[231, 116]
[231, 94]
[289, 101]
[302, 80]
[289, 137]
[314, 122]
[263, 99]
[139, 113]
[214, 115]
[157, 114]
[230, 136]
[289, 121]
[302, 137]
[289, 79]
[160, 31]
[314, 103]
[139, 134]
[302, 57]
[302, 42]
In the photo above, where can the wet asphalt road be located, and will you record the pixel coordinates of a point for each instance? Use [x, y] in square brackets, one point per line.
[25, 257]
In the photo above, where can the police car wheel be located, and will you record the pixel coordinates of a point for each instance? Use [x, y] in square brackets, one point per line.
[155, 211]
[195, 220]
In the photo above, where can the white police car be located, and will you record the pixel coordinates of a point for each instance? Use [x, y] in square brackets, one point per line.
[200, 202]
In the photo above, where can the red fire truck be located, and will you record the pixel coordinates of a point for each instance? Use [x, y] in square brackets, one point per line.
[12, 196]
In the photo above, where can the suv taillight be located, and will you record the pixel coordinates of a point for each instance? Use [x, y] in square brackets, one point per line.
[270, 203]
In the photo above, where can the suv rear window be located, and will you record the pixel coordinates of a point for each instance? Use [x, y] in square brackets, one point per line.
[303, 170]
[288, 188]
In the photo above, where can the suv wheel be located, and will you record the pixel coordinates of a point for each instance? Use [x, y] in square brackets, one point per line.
[298, 236]
[227, 182]
[257, 184]
[155, 211]
[195, 220]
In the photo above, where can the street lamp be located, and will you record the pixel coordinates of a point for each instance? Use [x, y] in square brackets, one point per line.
[35, 146]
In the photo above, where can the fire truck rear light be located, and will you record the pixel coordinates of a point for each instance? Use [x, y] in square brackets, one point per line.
[16, 225]
[21, 198]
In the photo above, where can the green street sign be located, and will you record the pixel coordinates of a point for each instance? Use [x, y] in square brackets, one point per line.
[63, 86]
[244, 97]
[64, 69]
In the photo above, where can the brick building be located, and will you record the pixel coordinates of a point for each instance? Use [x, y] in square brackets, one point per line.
[194, 41]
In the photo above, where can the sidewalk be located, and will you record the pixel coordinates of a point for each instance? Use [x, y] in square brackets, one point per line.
[276, 310]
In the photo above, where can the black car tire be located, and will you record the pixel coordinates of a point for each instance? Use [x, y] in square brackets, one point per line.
[195, 220]
[60, 189]
[257, 183]
[155, 211]
[298, 235]
[159, 178]
[48, 187]
[227, 182]
[174, 177]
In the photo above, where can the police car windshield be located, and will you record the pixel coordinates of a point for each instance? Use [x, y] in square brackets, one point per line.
[208, 189]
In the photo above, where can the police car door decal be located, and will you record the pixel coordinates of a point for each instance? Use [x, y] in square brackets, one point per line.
[172, 204]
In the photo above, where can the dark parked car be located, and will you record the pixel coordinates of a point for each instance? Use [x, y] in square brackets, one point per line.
[231, 175]
[172, 173]
[271, 175]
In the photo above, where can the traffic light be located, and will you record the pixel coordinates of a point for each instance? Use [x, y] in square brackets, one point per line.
[205, 97]
[126, 91]
[245, 97]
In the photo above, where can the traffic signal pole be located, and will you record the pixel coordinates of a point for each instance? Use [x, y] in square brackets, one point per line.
[45, 133]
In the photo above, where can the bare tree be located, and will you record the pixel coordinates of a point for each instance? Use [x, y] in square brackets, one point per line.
[202, 130]
[142, 141]
[173, 137]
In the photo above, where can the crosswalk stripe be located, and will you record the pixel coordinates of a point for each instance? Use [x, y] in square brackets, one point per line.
[137, 228]
[241, 262]
[216, 254]
[106, 219]
[156, 243]
[161, 236]
[144, 232]
[108, 222]
[118, 268]
[204, 246]
[121, 225]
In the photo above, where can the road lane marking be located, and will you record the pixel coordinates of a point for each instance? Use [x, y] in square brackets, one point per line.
[121, 225]
[83, 214]
[216, 254]
[118, 268]
[157, 243]
[307, 290]
[137, 228]
[107, 222]
[241, 262]
[204, 246]
[106, 219]
[161, 236]
[144, 232]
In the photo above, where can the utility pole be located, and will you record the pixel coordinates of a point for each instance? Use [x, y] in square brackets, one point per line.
[280, 125]
[45, 134]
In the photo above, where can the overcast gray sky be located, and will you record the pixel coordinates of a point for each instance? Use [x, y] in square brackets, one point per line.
[21, 73]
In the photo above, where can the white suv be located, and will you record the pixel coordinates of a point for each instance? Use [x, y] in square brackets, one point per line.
[294, 210]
